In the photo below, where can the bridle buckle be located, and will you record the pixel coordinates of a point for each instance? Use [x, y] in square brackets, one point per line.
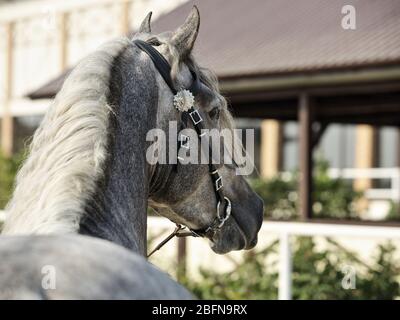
[195, 116]
[218, 183]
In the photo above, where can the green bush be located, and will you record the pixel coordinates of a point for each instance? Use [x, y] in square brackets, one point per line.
[316, 275]
[333, 198]
[394, 212]
[250, 280]
[8, 170]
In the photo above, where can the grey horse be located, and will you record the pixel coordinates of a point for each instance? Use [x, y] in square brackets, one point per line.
[75, 227]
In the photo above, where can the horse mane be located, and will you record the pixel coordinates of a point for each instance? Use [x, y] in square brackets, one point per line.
[68, 151]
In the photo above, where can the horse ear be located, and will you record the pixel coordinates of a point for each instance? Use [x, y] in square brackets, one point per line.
[185, 36]
[145, 25]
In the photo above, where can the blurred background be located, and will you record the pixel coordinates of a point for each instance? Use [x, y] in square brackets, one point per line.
[318, 81]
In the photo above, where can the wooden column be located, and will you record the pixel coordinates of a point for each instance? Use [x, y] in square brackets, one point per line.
[398, 166]
[7, 122]
[365, 153]
[398, 147]
[125, 18]
[306, 111]
[271, 148]
[182, 246]
[63, 40]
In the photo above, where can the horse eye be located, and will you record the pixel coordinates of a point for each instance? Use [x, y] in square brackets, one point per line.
[214, 113]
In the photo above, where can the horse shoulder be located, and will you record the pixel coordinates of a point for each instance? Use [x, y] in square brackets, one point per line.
[79, 267]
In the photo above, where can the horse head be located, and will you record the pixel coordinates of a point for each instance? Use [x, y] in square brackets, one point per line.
[198, 195]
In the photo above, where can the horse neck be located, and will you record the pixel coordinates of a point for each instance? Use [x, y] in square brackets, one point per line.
[118, 211]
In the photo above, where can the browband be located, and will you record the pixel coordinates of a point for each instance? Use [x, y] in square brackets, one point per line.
[164, 67]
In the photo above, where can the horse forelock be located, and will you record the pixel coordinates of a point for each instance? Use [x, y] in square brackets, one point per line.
[68, 151]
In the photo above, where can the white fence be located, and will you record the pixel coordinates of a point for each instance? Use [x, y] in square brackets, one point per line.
[286, 230]
[2, 215]
[391, 174]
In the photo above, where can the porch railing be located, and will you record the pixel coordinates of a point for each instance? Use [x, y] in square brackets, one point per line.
[390, 174]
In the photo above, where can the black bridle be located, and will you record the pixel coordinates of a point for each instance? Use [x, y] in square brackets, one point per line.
[193, 114]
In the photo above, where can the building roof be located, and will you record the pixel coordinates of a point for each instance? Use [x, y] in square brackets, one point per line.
[267, 37]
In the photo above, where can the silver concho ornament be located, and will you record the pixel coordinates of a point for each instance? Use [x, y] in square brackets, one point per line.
[183, 100]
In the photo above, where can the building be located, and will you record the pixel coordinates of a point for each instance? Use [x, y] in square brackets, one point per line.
[304, 81]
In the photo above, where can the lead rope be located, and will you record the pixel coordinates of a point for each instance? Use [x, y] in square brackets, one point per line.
[175, 233]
